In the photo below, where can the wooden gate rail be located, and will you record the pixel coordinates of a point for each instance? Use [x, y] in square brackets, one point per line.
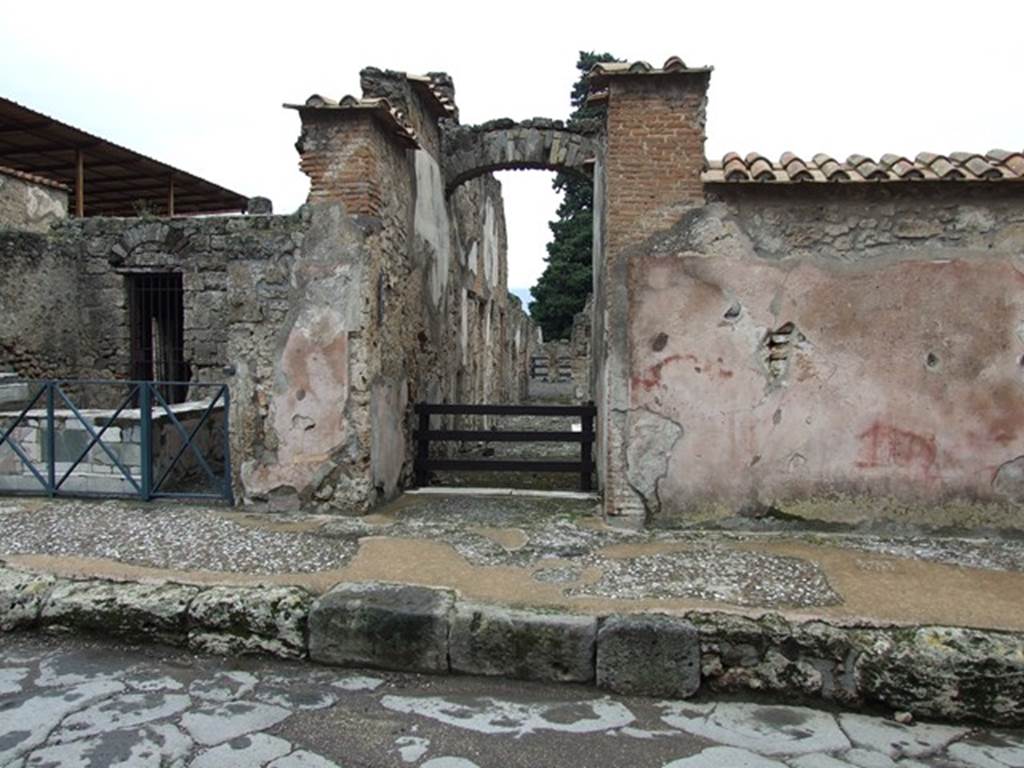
[424, 436]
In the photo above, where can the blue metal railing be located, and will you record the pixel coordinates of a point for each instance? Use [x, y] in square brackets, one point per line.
[175, 459]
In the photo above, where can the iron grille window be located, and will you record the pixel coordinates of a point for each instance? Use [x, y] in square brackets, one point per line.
[157, 321]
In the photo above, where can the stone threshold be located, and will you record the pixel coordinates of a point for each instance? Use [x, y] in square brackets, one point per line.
[521, 492]
[935, 672]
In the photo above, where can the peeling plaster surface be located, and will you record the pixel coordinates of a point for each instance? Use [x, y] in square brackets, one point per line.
[26, 205]
[387, 452]
[646, 457]
[431, 221]
[490, 246]
[899, 376]
[308, 411]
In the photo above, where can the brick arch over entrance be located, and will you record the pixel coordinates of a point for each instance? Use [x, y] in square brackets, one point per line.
[471, 150]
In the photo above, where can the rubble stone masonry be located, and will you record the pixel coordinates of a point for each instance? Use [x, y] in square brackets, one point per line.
[328, 324]
[761, 341]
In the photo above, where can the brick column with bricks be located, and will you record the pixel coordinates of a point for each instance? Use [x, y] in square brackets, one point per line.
[654, 155]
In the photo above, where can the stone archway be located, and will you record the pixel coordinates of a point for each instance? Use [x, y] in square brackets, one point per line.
[499, 145]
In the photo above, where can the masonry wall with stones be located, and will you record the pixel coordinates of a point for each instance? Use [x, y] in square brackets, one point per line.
[561, 369]
[815, 348]
[845, 352]
[30, 203]
[835, 351]
[328, 324]
[445, 328]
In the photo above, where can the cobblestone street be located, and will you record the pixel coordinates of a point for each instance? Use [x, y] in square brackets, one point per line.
[76, 704]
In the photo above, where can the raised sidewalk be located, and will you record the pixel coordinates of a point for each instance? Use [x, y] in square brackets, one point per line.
[541, 589]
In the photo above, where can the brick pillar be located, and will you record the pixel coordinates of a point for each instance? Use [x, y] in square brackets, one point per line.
[343, 152]
[655, 125]
[653, 159]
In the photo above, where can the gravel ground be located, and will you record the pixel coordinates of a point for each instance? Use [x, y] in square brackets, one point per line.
[708, 570]
[179, 538]
[714, 572]
[706, 565]
[990, 554]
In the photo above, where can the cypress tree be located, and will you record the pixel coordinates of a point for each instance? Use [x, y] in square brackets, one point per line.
[567, 279]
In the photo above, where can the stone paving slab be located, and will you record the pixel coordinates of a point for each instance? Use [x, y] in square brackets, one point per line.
[950, 673]
[789, 615]
[76, 703]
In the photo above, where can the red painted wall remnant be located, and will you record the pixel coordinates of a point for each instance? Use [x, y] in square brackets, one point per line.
[885, 445]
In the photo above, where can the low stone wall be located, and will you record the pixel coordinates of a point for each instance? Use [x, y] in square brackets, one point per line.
[946, 673]
[97, 472]
[551, 372]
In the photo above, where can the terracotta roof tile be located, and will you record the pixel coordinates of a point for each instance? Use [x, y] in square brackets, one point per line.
[759, 167]
[795, 167]
[381, 108]
[831, 168]
[995, 165]
[33, 178]
[901, 167]
[429, 84]
[866, 167]
[673, 65]
[1012, 161]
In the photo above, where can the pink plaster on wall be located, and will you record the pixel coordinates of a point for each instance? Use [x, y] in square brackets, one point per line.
[308, 409]
[862, 407]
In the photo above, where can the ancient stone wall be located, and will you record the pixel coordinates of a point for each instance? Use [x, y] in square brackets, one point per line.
[580, 348]
[560, 370]
[39, 337]
[269, 302]
[845, 353]
[442, 327]
[833, 351]
[30, 203]
[328, 325]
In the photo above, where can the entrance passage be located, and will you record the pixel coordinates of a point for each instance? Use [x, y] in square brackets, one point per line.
[156, 317]
[426, 463]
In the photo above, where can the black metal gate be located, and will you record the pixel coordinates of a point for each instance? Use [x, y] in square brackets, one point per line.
[114, 439]
[424, 436]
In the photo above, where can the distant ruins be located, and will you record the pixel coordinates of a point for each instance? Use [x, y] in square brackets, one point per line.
[815, 337]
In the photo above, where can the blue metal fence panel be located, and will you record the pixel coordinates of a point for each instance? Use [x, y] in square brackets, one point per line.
[158, 424]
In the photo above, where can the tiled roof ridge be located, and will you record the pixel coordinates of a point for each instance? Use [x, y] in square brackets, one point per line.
[994, 165]
[393, 117]
[440, 94]
[672, 65]
[33, 178]
[599, 73]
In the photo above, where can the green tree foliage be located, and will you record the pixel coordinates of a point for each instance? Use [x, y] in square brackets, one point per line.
[568, 277]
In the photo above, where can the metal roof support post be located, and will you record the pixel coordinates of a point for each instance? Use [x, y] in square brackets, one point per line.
[79, 184]
[170, 196]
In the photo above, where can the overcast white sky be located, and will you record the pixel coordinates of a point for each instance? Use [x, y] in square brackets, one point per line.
[200, 84]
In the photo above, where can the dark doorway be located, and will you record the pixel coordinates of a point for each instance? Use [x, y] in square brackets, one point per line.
[156, 312]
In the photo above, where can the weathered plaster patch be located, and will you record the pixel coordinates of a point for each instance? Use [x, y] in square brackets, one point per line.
[914, 404]
[490, 247]
[430, 221]
[1009, 479]
[387, 452]
[650, 443]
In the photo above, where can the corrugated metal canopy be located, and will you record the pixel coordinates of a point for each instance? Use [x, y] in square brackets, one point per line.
[117, 181]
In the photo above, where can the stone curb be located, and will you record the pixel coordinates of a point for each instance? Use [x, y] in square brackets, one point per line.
[945, 673]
